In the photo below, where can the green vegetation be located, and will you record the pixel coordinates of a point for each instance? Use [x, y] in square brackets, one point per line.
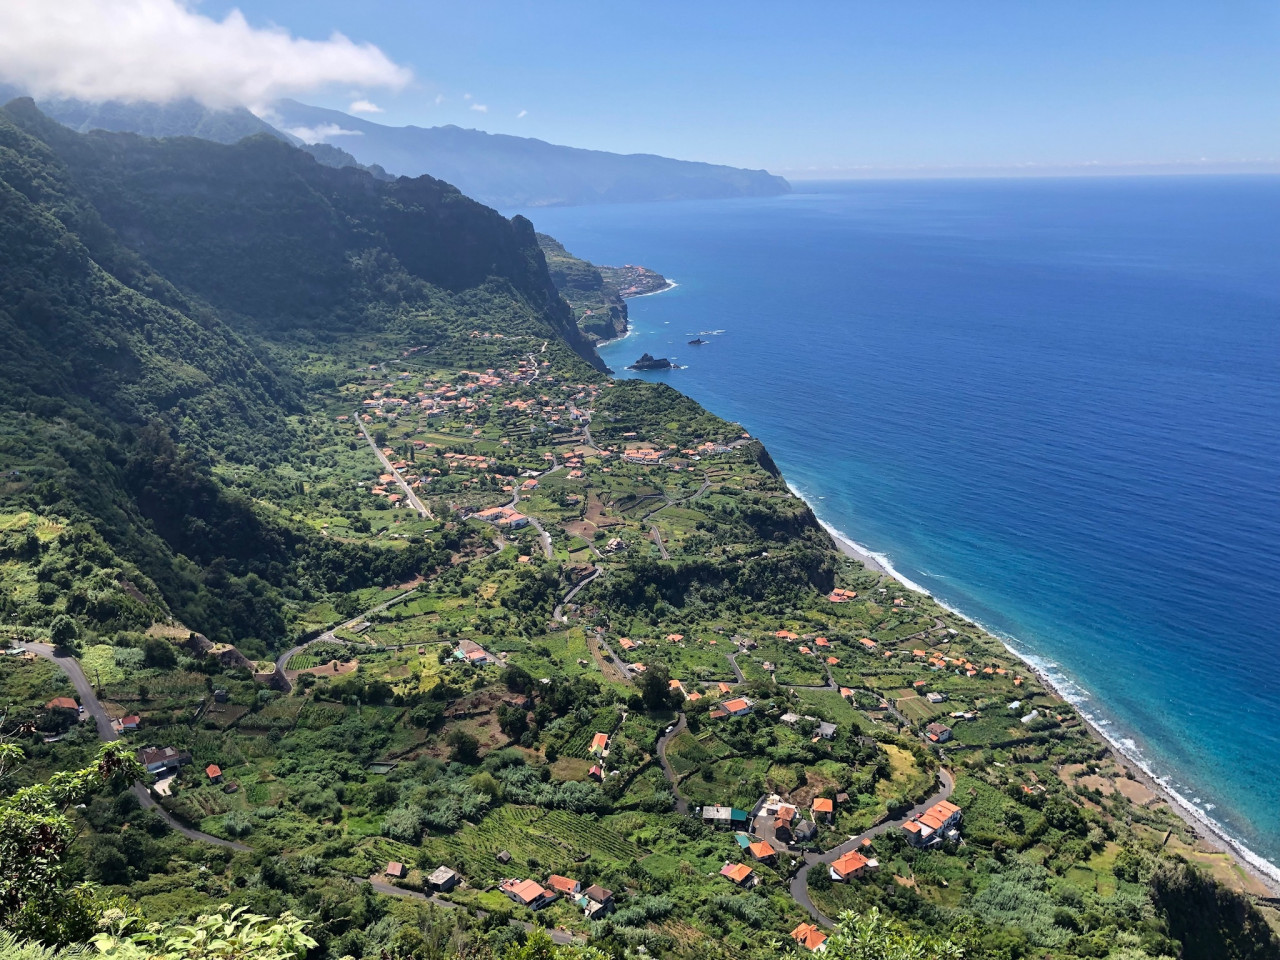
[189, 492]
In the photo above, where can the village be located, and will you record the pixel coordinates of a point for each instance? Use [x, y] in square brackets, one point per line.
[551, 731]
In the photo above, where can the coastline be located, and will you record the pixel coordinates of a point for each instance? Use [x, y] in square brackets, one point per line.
[671, 285]
[1202, 826]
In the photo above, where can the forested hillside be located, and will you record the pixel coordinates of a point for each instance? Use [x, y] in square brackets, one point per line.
[156, 294]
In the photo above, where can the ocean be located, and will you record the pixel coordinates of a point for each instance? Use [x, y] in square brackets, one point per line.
[1052, 404]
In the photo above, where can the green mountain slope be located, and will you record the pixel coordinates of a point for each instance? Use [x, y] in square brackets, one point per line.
[153, 294]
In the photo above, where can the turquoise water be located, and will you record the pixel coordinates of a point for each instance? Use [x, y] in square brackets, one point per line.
[1055, 405]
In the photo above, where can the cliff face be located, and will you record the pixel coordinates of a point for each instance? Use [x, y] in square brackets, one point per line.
[272, 239]
[597, 302]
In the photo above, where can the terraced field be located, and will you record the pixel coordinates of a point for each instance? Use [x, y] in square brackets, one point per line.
[531, 835]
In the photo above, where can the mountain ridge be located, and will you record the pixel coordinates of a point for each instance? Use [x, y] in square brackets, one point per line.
[481, 164]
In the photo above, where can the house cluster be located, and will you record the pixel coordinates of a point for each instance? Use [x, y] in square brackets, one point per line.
[708, 448]
[783, 822]
[644, 455]
[594, 900]
[940, 822]
[507, 517]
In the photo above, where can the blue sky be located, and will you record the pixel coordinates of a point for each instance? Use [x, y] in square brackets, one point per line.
[824, 88]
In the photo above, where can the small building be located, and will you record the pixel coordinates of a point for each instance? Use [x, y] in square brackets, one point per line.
[566, 885]
[809, 936]
[739, 873]
[825, 730]
[527, 893]
[131, 722]
[471, 652]
[738, 707]
[940, 822]
[596, 773]
[933, 696]
[762, 851]
[600, 744]
[823, 807]
[158, 759]
[214, 773]
[503, 856]
[852, 864]
[220, 695]
[600, 896]
[65, 704]
[442, 878]
[718, 816]
[937, 732]
[802, 831]
[396, 871]
[782, 829]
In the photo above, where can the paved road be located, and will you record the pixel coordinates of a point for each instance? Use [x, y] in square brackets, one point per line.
[737, 671]
[329, 635]
[409, 495]
[656, 536]
[107, 733]
[562, 937]
[800, 882]
[559, 611]
[682, 805]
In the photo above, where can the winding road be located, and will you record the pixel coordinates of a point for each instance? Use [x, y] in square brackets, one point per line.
[800, 882]
[559, 611]
[107, 734]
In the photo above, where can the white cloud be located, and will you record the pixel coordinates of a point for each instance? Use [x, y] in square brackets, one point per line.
[163, 50]
[439, 99]
[466, 96]
[522, 113]
[364, 106]
[322, 133]
[482, 108]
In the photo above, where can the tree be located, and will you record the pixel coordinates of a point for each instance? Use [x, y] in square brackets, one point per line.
[874, 936]
[655, 687]
[159, 654]
[63, 632]
[228, 935]
[463, 747]
[38, 899]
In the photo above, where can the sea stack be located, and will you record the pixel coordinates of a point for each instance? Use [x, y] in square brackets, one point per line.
[648, 362]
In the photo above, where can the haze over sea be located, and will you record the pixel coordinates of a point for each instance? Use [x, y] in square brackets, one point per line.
[1053, 404]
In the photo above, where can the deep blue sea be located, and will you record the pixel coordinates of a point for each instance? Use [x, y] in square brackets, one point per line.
[1054, 404]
